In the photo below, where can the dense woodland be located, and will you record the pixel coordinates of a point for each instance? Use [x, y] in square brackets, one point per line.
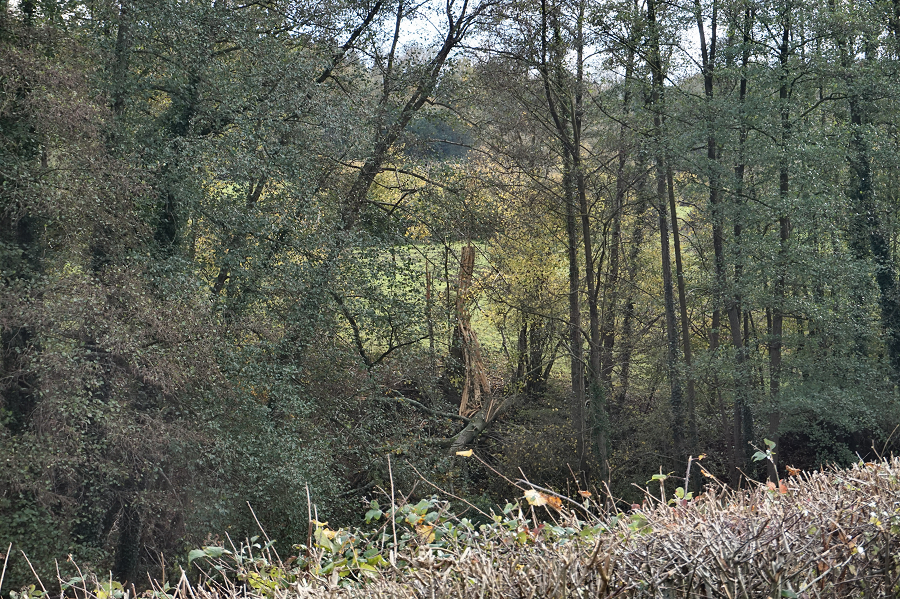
[278, 252]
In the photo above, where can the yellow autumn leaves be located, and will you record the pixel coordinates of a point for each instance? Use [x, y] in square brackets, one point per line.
[537, 498]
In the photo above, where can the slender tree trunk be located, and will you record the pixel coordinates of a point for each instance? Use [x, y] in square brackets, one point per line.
[120, 64]
[708, 68]
[611, 299]
[608, 320]
[784, 228]
[522, 366]
[429, 318]
[595, 402]
[691, 445]
[733, 299]
[576, 351]
[356, 198]
[657, 104]
[561, 111]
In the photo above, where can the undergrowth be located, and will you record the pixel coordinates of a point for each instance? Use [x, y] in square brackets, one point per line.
[828, 533]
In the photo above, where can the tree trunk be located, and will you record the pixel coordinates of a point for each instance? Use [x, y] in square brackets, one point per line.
[355, 199]
[657, 103]
[236, 241]
[733, 299]
[120, 66]
[784, 228]
[868, 233]
[691, 446]
[595, 417]
[554, 90]
[611, 292]
[576, 352]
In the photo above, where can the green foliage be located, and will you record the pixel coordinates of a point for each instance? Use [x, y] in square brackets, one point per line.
[350, 556]
[768, 454]
[218, 222]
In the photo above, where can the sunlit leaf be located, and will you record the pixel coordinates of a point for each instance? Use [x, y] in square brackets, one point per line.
[426, 532]
[535, 497]
[466, 454]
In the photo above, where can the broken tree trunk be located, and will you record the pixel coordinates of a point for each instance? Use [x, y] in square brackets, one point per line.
[476, 383]
[477, 403]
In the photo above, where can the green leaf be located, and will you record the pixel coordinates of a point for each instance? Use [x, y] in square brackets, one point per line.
[215, 551]
[770, 445]
[373, 514]
[378, 561]
[759, 456]
[194, 554]
[323, 540]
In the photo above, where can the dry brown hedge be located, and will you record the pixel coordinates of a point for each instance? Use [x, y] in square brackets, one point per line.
[833, 533]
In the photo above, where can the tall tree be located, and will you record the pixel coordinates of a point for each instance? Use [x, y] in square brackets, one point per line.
[657, 105]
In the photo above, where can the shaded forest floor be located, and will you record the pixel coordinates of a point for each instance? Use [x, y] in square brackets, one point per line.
[833, 533]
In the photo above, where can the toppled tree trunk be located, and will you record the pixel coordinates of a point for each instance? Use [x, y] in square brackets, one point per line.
[477, 424]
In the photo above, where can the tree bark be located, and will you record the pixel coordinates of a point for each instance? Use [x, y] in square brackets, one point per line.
[691, 446]
[595, 418]
[553, 83]
[628, 313]
[657, 104]
[784, 228]
[732, 295]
